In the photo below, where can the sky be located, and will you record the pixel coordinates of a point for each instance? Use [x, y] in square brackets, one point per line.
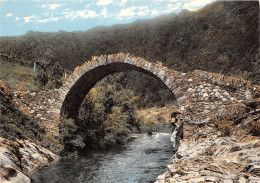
[20, 16]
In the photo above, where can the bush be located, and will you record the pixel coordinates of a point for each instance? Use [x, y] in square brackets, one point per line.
[71, 139]
[225, 127]
[52, 143]
[255, 128]
[108, 114]
[49, 75]
[67, 127]
[116, 127]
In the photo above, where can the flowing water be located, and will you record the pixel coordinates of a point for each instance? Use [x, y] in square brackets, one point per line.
[141, 161]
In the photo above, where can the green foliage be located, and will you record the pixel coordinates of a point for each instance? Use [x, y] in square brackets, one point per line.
[69, 138]
[14, 123]
[67, 128]
[220, 38]
[49, 75]
[108, 114]
[21, 77]
[205, 39]
[225, 127]
[50, 142]
[116, 128]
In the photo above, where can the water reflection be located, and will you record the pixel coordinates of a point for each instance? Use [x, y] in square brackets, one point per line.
[142, 161]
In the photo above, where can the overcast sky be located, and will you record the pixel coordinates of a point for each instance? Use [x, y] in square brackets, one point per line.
[19, 16]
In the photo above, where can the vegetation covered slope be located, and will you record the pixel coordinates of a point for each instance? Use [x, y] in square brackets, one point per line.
[221, 37]
[15, 124]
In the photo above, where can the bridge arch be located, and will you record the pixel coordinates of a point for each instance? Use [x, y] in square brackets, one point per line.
[84, 77]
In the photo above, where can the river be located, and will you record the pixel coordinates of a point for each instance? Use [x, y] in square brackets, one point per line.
[140, 161]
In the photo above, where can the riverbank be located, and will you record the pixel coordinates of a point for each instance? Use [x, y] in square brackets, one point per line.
[207, 156]
[20, 158]
[217, 145]
[21, 141]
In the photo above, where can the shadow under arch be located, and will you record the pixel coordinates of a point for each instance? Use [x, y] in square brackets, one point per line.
[86, 76]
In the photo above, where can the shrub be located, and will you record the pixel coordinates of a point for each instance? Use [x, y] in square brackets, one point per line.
[116, 127]
[23, 78]
[226, 127]
[255, 128]
[234, 112]
[67, 127]
[108, 114]
[149, 121]
[71, 139]
[52, 143]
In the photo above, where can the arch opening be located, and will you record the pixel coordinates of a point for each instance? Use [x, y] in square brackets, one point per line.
[83, 85]
[84, 78]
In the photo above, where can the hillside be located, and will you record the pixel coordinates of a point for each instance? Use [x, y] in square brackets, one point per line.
[14, 124]
[222, 38]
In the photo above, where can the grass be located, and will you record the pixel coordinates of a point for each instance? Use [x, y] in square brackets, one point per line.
[17, 76]
[155, 114]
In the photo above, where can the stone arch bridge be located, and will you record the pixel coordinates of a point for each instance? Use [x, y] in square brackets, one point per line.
[199, 94]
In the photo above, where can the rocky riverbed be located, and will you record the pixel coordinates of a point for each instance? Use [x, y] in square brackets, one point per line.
[217, 134]
[206, 156]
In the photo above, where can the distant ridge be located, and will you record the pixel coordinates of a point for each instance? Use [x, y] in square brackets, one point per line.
[222, 37]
